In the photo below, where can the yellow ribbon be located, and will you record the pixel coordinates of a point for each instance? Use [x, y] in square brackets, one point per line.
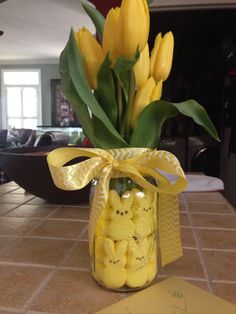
[135, 163]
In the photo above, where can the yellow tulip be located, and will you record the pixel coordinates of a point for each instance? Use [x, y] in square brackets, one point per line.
[109, 31]
[133, 27]
[142, 99]
[92, 54]
[157, 91]
[142, 68]
[155, 49]
[162, 57]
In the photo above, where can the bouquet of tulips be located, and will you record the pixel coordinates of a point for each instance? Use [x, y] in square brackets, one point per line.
[115, 82]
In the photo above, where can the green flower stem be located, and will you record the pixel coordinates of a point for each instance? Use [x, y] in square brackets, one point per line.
[126, 123]
[119, 103]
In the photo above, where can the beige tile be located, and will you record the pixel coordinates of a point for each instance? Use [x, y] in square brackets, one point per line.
[39, 201]
[6, 188]
[187, 237]
[32, 211]
[220, 265]
[214, 221]
[217, 208]
[187, 266]
[4, 208]
[184, 220]
[217, 239]
[225, 291]
[15, 198]
[20, 191]
[16, 226]
[18, 284]
[6, 243]
[79, 257]
[215, 197]
[38, 251]
[11, 183]
[71, 292]
[60, 229]
[72, 212]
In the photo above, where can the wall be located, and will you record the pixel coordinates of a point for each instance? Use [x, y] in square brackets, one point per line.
[48, 72]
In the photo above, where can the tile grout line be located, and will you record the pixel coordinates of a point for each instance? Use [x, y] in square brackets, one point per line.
[44, 283]
[211, 213]
[198, 248]
[224, 281]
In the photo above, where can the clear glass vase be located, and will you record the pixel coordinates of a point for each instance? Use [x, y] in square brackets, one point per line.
[124, 254]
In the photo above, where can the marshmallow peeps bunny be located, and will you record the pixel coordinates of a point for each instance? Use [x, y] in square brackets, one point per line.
[113, 273]
[143, 212]
[138, 255]
[120, 226]
[103, 220]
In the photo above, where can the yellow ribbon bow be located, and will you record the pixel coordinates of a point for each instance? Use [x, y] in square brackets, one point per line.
[134, 163]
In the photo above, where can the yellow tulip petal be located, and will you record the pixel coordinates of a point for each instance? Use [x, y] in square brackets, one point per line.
[109, 32]
[155, 49]
[92, 54]
[163, 61]
[133, 27]
[142, 68]
[142, 99]
[157, 91]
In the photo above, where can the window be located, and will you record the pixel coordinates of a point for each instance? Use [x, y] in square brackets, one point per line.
[21, 98]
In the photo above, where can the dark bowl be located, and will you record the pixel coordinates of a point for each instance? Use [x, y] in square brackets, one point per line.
[28, 167]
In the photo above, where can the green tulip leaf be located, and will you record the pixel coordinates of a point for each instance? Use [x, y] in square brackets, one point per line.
[79, 106]
[77, 75]
[105, 92]
[124, 64]
[149, 2]
[148, 127]
[96, 17]
[194, 110]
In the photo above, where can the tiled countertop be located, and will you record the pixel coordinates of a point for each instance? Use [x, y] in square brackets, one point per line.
[44, 265]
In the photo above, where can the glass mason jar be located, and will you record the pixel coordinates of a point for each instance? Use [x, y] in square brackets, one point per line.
[124, 254]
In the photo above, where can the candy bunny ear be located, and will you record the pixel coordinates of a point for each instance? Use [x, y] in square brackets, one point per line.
[127, 199]
[121, 248]
[109, 247]
[113, 249]
[140, 246]
[114, 199]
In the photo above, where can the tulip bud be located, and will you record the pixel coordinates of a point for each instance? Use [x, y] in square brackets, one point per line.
[142, 99]
[157, 91]
[164, 55]
[134, 23]
[155, 49]
[109, 31]
[142, 68]
[92, 54]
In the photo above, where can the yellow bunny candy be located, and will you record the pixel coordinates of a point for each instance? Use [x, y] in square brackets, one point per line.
[114, 274]
[99, 250]
[143, 212]
[152, 265]
[102, 222]
[137, 262]
[120, 226]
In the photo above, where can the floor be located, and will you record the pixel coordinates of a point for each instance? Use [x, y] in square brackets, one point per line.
[44, 253]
